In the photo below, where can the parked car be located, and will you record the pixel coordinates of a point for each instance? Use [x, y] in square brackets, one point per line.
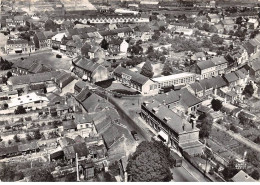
[58, 56]
[135, 136]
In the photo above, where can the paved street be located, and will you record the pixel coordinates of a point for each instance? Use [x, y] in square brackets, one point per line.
[239, 138]
[180, 174]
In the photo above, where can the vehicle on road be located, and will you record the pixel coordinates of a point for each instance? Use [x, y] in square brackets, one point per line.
[58, 56]
[177, 159]
[135, 136]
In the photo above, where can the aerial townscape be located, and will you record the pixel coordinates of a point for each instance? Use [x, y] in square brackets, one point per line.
[130, 91]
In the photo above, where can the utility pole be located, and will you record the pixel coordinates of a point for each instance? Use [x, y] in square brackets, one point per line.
[77, 167]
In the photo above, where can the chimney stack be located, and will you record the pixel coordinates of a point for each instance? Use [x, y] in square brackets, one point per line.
[183, 126]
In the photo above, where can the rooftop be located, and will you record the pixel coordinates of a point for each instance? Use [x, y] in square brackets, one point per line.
[172, 77]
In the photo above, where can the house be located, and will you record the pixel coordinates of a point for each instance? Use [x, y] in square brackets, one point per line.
[15, 21]
[19, 46]
[89, 70]
[43, 39]
[252, 24]
[136, 81]
[119, 32]
[25, 81]
[97, 52]
[29, 66]
[175, 79]
[172, 129]
[78, 148]
[31, 101]
[242, 176]
[214, 18]
[252, 46]
[206, 69]
[90, 102]
[218, 28]
[221, 64]
[254, 68]
[83, 121]
[184, 31]
[143, 32]
[199, 56]
[117, 46]
[239, 56]
[205, 87]
[181, 101]
[57, 39]
[79, 86]
[228, 24]
[212, 68]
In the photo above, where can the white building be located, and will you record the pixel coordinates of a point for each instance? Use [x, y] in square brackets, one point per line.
[175, 80]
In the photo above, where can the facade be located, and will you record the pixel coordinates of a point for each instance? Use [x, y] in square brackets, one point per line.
[19, 46]
[89, 70]
[136, 81]
[171, 128]
[43, 39]
[212, 68]
[175, 80]
[15, 21]
[101, 19]
[57, 40]
[143, 32]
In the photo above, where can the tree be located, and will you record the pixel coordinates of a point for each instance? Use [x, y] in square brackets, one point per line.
[9, 174]
[9, 74]
[156, 35]
[16, 138]
[206, 27]
[167, 69]
[147, 70]
[216, 39]
[50, 25]
[20, 110]
[255, 175]
[28, 137]
[150, 162]
[150, 49]
[206, 43]
[233, 128]
[248, 91]
[205, 128]
[230, 170]
[104, 44]
[239, 20]
[37, 135]
[231, 32]
[1, 139]
[216, 104]
[42, 175]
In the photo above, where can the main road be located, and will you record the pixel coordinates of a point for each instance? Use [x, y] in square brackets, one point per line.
[185, 173]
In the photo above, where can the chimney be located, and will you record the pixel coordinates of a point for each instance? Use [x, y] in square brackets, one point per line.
[183, 126]
[180, 96]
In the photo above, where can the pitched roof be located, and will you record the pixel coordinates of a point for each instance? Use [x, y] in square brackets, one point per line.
[182, 95]
[227, 21]
[241, 176]
[29, 146]
[79, 148]
[205, 64]
[142, 28]
[255, 65]
[32, 66]
[86, 64]
[33, 78]
[171, 119]
[135, 77]
[70, 124]
[231, 77]
[17, 41]
[111, 135]
[219, 60]
[196, 87]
